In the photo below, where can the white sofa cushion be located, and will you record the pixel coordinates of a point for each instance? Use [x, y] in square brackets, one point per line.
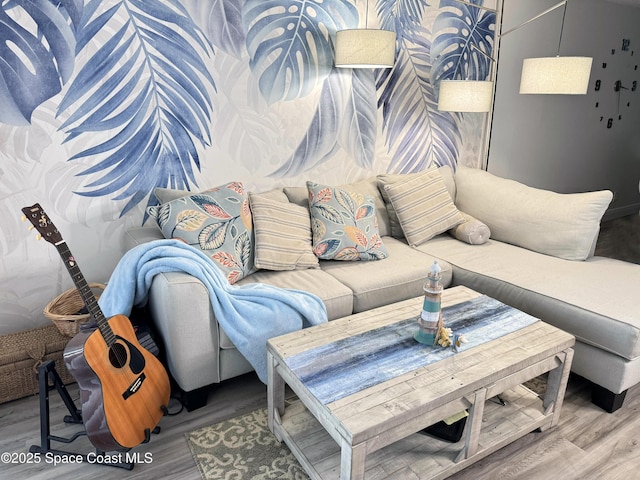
[562, 225]
[595, 300]
[165, 195]
[393, 279]
[337, 297]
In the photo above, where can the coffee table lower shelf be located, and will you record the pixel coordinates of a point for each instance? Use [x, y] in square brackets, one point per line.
[416, 456]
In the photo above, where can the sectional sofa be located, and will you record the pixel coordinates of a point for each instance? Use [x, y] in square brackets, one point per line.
[526, 247]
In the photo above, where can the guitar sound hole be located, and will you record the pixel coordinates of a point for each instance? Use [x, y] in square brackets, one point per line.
[118, 355]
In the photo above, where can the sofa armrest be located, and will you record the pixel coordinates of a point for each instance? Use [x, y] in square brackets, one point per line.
[137, 236]
[181, 310]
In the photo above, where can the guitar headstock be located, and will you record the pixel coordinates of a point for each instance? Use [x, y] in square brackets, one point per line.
[40, 220]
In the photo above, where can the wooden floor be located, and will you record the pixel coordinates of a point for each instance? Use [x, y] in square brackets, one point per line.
[587, 444]
[169, 454]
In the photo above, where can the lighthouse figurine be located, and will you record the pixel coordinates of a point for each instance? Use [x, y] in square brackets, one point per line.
[430, 320]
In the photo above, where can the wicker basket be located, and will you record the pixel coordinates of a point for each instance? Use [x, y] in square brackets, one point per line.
[20, 355]
[63, 310]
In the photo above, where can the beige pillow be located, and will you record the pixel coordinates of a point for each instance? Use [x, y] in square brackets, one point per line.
[471, 231]
[424, 206]
[282, 235]
[561, 225]
[446, 172]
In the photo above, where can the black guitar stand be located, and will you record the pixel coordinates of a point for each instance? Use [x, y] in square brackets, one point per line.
[47, 371]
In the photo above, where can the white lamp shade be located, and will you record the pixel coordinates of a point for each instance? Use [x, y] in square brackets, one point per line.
[365, 48]
[465, 96]
[556, 75]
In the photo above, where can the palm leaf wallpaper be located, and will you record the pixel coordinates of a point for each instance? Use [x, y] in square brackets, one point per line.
[101, 101]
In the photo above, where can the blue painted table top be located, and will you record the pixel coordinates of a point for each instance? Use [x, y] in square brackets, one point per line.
[344, 367]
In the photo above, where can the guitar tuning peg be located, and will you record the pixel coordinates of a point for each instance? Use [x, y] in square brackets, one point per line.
[31, 227]
[23, 218]
[38, 237]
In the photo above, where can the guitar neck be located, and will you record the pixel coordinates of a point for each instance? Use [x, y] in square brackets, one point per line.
[86, 294]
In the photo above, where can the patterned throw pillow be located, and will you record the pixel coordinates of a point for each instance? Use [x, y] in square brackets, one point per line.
[344, 225]
[424, 207]
[217, 221]
[282, 234]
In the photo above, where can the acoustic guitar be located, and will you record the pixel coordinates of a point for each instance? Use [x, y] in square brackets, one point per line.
[124, 389]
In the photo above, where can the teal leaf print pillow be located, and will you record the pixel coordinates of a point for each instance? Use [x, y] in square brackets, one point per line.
[217, 221]
[344, 225]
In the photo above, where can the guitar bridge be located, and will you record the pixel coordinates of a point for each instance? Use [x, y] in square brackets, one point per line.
[134, 387]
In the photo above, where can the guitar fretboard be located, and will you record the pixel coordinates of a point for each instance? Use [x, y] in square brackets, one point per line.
[86, 294]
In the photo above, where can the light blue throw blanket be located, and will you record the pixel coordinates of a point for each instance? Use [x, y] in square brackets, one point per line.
[249, 314]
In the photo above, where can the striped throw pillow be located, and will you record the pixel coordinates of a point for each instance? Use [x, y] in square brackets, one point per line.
[424, 206]
[282, 235]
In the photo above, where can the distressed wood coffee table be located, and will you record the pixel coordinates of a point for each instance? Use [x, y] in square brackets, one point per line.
[364, 388]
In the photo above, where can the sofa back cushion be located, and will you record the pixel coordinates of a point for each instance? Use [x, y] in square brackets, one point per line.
[561, 225]
[165, 195]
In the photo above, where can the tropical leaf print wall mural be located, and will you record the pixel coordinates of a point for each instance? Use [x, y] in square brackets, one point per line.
[221, 21]
[144, 80]
[135, 87]
[35, 63]
[414, 128]
[149, 84]
[289, 43]
[345, 117]
[416, 133]
[457, 28]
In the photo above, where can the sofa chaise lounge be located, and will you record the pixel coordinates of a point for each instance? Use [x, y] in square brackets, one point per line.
[539, 259]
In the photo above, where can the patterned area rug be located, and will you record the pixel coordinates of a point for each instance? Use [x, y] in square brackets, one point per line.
[243, 448]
